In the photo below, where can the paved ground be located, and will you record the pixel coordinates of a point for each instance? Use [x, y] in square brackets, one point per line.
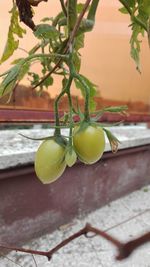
[125, 218]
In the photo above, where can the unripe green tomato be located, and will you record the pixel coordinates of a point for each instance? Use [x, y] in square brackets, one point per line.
[89, 143]
[49, 161]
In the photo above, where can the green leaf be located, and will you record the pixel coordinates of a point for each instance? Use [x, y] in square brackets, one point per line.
[139, 11]
[35, 78]
[70, 157]
[46, 31]
[86, 26]
[123, 10]
[112, 140]
[23, 70]
[116, 109]
[9, 81]
[135, 45]
[79, 42]
[62, 22]
[15, 74]
[14, 29]
[16, 61]
[48, 82]
[77, 61]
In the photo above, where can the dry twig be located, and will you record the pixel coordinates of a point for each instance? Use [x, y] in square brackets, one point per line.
[124, 249]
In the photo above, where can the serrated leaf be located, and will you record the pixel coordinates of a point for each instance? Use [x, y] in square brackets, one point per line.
[77, 61]
[23, 70]
[46, 31]
[14, 29]
[9, 81]
[35, 78]
[135, 45]
[14, 75]
[48, 82]
[10, 47]
[139, 12]
[79, 42]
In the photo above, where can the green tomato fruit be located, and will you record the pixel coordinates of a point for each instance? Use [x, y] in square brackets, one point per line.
[89, 143]
[49, 161]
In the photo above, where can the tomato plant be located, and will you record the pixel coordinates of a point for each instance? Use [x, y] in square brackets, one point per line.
[59, 40]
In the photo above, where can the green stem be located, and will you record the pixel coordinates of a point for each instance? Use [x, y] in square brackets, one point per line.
[64, 91]
[87, 97]
[45, 55]
[92, 10]
[70, 117]
[63, 7]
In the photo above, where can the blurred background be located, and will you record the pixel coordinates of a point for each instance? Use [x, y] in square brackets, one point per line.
[106, 62]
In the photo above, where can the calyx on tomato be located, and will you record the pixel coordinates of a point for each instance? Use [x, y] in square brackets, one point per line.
[70, 157]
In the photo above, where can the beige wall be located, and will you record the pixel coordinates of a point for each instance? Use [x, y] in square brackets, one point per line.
[106, 58]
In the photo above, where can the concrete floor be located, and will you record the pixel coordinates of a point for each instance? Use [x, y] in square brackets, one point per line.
[125, 219]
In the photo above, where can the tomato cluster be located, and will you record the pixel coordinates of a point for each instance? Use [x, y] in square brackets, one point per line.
[52, 157]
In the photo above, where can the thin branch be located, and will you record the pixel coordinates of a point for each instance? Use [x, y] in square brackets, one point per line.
[36, 2]
[124, 249]
[72, 36]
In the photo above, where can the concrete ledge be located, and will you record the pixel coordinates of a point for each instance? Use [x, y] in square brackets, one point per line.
[16, 150]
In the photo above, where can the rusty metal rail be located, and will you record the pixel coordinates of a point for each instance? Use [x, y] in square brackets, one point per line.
[37, 116]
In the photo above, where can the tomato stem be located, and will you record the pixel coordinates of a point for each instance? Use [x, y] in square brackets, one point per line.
[63, 92]
[87, 97]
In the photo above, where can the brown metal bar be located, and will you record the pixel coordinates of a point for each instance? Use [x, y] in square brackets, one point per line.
[41, 116]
